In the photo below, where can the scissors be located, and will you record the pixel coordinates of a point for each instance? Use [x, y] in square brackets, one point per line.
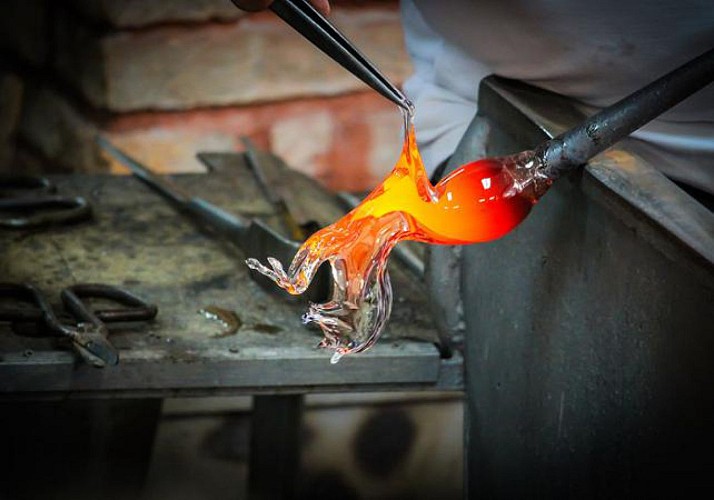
[325, 36]
[89, 333]
[28, 201]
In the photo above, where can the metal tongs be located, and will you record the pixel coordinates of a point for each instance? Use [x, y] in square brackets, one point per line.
[87, 330]
[307, 21]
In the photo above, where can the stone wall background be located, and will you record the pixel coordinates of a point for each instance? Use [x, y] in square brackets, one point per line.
[165, 79]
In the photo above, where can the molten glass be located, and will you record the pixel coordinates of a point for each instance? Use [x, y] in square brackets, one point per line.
[478, 202]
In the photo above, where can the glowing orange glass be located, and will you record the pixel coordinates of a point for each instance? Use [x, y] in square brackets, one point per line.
[477, 202]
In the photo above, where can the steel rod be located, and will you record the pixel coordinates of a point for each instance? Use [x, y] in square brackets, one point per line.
[575, 147]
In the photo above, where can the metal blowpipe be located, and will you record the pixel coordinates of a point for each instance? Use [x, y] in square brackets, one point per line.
[576, 146]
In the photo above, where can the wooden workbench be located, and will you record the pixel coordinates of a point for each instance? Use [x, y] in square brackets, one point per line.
[137, 240]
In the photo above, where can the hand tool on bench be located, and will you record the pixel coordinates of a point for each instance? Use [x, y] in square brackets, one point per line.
[89, 333]
[253, 236]
[297, 223]
[325, 36]
[28, 201]
[268, 176]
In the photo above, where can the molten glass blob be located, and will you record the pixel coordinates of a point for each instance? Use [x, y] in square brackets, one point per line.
[478, 202]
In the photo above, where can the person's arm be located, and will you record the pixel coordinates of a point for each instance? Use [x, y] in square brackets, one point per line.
[323, 6]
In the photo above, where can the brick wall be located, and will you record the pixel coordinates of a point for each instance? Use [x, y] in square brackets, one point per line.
[165, 79]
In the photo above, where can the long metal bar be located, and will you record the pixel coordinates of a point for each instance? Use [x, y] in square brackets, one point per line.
[160, 184]
[599, 132]
[274, 466]
[230, 225]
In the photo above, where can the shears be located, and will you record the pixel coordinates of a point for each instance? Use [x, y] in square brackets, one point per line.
[28, 201]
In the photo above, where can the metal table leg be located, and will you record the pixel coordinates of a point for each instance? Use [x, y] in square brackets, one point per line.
[275, 446]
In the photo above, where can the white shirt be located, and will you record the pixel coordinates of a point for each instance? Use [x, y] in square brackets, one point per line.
[595, 51]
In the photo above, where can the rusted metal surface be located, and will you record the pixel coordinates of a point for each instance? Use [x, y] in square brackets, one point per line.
[138, 241]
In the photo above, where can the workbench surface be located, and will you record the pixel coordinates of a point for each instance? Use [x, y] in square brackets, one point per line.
[138, 241]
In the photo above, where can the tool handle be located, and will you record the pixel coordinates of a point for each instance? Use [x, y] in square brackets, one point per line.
[600, 131]
[13, 183]
[46, 210]
[133, 307]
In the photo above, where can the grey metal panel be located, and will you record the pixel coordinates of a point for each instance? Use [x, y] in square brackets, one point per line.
[590, 336]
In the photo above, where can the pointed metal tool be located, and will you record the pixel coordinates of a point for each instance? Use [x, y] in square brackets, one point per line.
[307, 21]
[254, 237]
